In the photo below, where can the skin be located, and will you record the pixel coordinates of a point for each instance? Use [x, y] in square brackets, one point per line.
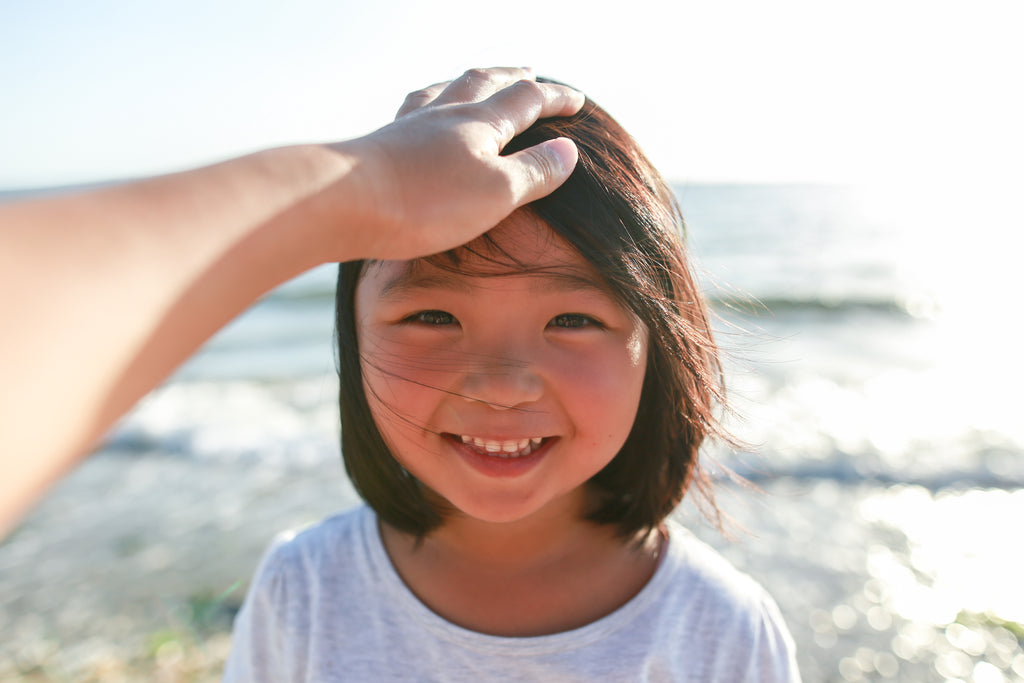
[105, 293]
[506, 355]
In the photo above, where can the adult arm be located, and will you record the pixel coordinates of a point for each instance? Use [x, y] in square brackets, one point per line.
[103, 294]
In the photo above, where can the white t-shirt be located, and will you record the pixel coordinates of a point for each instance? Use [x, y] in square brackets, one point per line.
[327, 605]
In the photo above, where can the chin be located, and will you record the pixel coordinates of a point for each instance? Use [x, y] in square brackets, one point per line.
[495, 508]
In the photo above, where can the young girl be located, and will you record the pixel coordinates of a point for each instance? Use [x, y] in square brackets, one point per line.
[521, 415]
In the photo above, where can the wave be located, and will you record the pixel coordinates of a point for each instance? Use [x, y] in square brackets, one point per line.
[751, 305]
[848, 474]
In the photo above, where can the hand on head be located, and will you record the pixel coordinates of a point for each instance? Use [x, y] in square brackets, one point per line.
[434, 179]
[145, 272]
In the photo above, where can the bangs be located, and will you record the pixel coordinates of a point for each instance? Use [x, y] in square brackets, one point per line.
[485, 256]
[488, 257]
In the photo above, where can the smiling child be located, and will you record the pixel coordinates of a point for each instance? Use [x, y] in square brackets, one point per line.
[521, 415]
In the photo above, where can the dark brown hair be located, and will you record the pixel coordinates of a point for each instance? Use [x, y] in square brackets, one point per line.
[620, 215]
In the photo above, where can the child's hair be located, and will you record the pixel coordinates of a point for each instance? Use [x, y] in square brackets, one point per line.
[622, 218]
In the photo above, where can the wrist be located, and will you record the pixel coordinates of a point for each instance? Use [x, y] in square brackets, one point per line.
[320, 208]
[367, 199]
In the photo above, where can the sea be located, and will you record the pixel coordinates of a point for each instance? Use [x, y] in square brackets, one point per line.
[865, 339]
[871, 346]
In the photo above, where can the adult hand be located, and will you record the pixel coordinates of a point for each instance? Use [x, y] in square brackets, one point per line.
[434, 179]
[143, 273]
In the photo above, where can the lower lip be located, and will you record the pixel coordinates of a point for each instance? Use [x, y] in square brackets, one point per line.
[496, 466]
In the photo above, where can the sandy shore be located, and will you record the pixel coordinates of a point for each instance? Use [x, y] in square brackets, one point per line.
[132, 569]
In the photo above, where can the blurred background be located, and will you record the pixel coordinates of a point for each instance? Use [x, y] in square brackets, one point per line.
[851, 178]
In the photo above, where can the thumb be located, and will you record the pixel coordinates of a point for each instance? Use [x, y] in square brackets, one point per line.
[537, 171]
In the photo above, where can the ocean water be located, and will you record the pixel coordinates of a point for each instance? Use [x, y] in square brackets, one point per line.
[859, 345]
[869, 346]
[868, 331]
[869, 337]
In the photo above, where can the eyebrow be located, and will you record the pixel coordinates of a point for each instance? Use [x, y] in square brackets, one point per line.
[564, 279]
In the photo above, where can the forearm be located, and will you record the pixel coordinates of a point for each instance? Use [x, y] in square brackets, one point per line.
[104, 294]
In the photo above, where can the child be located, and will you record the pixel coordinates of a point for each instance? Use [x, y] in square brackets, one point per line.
[521, 415]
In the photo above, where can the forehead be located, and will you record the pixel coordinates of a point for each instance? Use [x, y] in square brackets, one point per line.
[521, 246]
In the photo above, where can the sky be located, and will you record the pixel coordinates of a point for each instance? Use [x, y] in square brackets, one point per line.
[723, 91]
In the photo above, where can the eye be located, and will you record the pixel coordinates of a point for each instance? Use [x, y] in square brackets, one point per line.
[433, 318]
[574, 321]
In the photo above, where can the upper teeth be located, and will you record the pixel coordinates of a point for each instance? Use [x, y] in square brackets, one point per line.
[510, 446]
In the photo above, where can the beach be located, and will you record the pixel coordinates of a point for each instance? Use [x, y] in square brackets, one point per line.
[871, 381]
[134, 566]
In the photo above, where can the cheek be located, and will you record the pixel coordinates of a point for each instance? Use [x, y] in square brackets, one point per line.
[394, 387]
[605, 389]
[389, 367]
[614, 368]
[405, 385]
[398, 410]
[381, 382]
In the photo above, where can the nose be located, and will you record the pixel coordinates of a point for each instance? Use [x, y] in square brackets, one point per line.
[502, 383]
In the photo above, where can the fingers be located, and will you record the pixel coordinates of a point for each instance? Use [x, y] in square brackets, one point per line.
[515, 99]
[516, 107]
[478, 84]
[539, 170]
[421, 98]
[474, 85]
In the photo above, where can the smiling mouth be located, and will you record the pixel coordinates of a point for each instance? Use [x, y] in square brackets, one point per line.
[505, 448]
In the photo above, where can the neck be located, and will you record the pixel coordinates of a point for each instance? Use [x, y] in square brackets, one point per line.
[536, 576]
[547, 537]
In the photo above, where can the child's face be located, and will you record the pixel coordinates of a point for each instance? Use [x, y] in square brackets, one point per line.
[465, 372]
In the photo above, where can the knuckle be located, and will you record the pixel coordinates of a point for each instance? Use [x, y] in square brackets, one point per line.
[477, 74]
[530, 88]
[417, 96]
[502, 127]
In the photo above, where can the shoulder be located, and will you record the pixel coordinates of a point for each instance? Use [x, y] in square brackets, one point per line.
[709, 576]
[725, 614]
[297, 558]
[322, 537]
[306, 581]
